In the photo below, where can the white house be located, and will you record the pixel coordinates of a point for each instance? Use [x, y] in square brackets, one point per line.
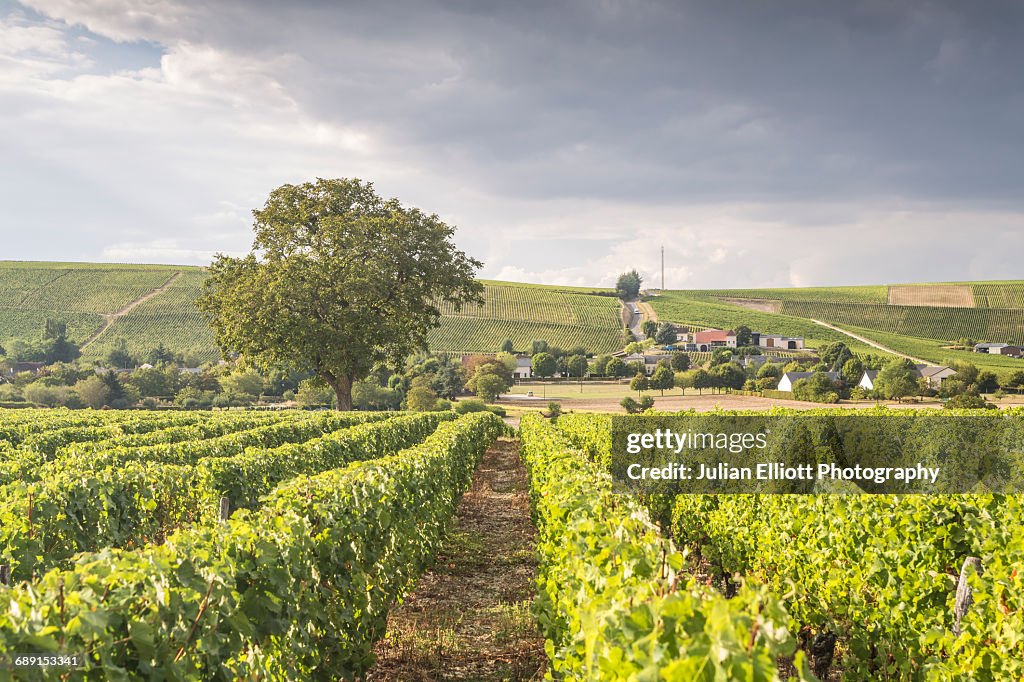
[524, 368]
[710, 339]
[790, 378]
[933, 374]
[867, 382]
[650, 361]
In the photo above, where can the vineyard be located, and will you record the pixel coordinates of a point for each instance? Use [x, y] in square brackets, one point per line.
[859, 586]
[82, 295]
[252, 545]
[171, 318]
[999, 294]
[118, 543]
[564, 318]
[143, 306]
[919, 321]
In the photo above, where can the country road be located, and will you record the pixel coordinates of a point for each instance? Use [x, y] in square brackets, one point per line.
[637, 319]
[873, 344]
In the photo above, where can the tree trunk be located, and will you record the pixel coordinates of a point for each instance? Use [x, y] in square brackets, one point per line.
[342, 387]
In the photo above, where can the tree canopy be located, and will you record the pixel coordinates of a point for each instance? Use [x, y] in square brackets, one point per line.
[338, 280]
[897, 379]
[628, 284]
[544, 364]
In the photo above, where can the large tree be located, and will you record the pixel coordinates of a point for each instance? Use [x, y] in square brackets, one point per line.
[897, 379]
[544, 364]
[338, 279]
[628, 285]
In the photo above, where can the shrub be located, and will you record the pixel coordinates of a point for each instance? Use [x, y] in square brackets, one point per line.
[968, 400]
[468, 405]
[420, 397]
[50, 396]
[10, 394]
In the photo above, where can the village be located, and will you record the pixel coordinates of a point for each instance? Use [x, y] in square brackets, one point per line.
[766, 366]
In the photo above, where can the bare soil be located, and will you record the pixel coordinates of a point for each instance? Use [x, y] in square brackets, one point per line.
[942, 295]
[469, 617]
[763, 305]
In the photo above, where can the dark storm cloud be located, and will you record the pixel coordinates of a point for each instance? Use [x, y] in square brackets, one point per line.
[654, 102]
[646, 101]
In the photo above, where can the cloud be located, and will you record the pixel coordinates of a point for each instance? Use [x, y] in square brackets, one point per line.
[796, 143]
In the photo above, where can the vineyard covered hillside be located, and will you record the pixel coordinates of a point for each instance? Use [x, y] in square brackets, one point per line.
[146, 305]
[922, 320]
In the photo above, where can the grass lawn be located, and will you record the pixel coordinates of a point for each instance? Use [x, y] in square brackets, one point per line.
[589, 390]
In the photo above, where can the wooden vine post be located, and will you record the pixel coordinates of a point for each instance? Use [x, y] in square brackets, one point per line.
[964, 599]
[225, 509]
[5, 574]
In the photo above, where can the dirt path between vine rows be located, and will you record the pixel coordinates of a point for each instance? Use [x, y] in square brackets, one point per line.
[873, 344]
[469, 617]
[110, 318]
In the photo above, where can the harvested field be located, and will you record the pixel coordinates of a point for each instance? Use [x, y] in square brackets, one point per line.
[940, 295]
[760, 304]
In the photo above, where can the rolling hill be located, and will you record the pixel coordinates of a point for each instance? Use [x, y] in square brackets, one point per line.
[145, 305]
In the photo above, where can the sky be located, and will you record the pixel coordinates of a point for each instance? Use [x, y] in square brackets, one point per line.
[790, 143]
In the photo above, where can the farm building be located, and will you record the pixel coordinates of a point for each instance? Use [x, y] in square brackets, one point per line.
[709, 339]
[650, 361]
[524, 368]
[933, 374]
[776, 341]
[790, 378]
[1000, 349]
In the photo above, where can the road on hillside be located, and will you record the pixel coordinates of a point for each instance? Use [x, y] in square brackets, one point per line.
[873, 344]
[636, 319]
[640, 312]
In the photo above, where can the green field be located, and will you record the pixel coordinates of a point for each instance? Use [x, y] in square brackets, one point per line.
[922, 322]
[92, 298]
